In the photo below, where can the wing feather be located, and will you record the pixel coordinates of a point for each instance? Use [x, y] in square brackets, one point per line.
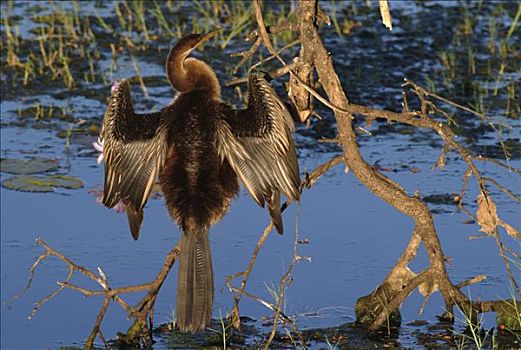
[134, 149]
[258, 144]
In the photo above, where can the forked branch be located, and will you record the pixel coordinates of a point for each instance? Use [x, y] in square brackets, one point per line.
[140, 311]
[315, 57]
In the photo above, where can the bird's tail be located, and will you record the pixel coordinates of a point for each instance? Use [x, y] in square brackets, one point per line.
[274, 209]
[195, 281]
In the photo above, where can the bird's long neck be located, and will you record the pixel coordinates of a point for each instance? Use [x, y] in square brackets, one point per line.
[188, 74]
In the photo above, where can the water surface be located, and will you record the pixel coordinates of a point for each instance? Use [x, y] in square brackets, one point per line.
[354, 238]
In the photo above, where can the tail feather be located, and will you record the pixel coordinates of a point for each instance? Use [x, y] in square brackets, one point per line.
[135, 219]
[195, 282]
[274, 209]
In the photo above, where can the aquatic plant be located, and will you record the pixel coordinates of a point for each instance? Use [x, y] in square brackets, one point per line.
[98, 146]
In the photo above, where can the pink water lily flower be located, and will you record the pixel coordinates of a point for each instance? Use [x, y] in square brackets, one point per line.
[119, 207]
[115, 86]
[98, 193]
[98, 146]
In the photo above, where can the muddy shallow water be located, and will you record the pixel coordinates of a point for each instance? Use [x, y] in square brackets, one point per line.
[353, 237]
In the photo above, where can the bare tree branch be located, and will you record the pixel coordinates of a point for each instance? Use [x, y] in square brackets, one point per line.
[141, 311]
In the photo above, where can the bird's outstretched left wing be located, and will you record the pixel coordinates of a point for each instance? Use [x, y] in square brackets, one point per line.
[134, 149]
[258, 144]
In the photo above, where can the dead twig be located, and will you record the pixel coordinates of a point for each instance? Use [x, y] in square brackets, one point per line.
[503, 189]
[312, 178]
[292, 27]
[247, 54]
[497, 162]
[269, 58]
[236, 321]
[309, 182]
[480, 115]
[284, 281]
[383, 187]
[274, 74]
[140, 311]
[89, 342]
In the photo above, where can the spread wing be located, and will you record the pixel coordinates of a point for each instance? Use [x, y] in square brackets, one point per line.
[257, 143]
[134, 149]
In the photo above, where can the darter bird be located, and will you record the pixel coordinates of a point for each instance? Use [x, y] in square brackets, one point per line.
[199, 147]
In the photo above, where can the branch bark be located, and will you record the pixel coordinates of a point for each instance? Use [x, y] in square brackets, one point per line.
[400, 281]
[315, 55]
[140, 312]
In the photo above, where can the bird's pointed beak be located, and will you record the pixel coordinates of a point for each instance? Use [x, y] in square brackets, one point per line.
[208, 36]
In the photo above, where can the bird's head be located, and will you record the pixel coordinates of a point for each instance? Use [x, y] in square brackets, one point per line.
[187, 73]
[192, 41]
[189, 43]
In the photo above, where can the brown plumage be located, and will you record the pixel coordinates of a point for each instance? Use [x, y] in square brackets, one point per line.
[199, 147]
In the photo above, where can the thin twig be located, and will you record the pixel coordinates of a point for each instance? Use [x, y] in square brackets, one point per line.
[274, 74]
[480, 115]
[237, 296]
[320, 170]
[31, 277]
[269, 58]
[140, 311]
[273, 30]
[503, 189]
[497, 162]
[246, 54]
[471, 281]
[284, 280]
[42, 301]
[310, 181]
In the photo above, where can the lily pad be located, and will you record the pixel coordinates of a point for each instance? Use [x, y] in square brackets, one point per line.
[41, 183]
[28, 166]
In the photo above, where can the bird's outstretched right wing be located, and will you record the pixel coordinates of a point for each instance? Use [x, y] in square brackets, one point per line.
[258, 144]
[134, 149]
